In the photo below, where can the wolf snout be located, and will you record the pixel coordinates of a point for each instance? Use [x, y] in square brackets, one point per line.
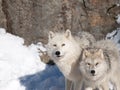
[93, 72]
[57, 53]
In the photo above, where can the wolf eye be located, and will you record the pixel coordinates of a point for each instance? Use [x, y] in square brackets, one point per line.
[88, 64]
[96, 63]
[54, 45]
[63, 44]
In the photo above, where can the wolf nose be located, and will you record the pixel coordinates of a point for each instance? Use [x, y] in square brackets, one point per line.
[93, 72]
[57, 53]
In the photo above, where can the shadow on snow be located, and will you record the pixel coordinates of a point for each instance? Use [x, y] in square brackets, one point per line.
[48, 79]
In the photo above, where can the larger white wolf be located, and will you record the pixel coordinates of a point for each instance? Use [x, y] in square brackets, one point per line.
[65, 50]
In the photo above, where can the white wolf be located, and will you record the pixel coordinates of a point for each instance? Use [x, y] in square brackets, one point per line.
[65, 50]
[99, 65]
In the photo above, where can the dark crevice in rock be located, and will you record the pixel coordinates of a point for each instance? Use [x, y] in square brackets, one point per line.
[114, 5]
[84, 4]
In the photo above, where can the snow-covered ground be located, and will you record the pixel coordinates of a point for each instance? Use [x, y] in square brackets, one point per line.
[22, 69]
[115, 36]
[118, 19]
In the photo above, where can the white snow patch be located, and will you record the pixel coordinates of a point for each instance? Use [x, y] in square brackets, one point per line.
[13, 85]
[118, 4]
[115, 36]
[20, 66]
[118, 19]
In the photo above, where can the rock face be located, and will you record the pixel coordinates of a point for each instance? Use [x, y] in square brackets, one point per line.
[32, 19]
[2, 17]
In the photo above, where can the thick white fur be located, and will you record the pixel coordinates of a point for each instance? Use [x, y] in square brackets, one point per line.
[110, 66]
[70, 52]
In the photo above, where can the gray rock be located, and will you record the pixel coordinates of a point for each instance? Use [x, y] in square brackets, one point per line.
[32, 19]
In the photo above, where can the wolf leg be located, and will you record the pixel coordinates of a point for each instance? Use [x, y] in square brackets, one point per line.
[117, 84]
[68, 84]
[78, 85]
[105, 85]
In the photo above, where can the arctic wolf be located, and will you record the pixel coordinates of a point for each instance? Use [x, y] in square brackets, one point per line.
[99, 65]
[65, 50]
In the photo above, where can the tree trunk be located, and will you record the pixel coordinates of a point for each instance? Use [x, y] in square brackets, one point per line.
[32, 19]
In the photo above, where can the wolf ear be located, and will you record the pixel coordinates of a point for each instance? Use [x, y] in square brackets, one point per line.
[100, 53]
[86, 53]
[51, 34]
[68, 33]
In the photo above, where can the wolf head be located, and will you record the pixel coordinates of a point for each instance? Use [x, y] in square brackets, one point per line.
[93, 65]
[61, 45]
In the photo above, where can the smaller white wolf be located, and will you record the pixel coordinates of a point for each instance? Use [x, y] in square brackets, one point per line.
[99, 65]
[65, 49]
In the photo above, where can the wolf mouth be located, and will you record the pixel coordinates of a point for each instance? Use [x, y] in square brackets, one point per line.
[96, 77]
[59, 56]
[93, 75]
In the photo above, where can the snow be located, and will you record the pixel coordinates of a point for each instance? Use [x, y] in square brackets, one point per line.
[118, 4]
[21, 67]
[118, 19]
[115, 36]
